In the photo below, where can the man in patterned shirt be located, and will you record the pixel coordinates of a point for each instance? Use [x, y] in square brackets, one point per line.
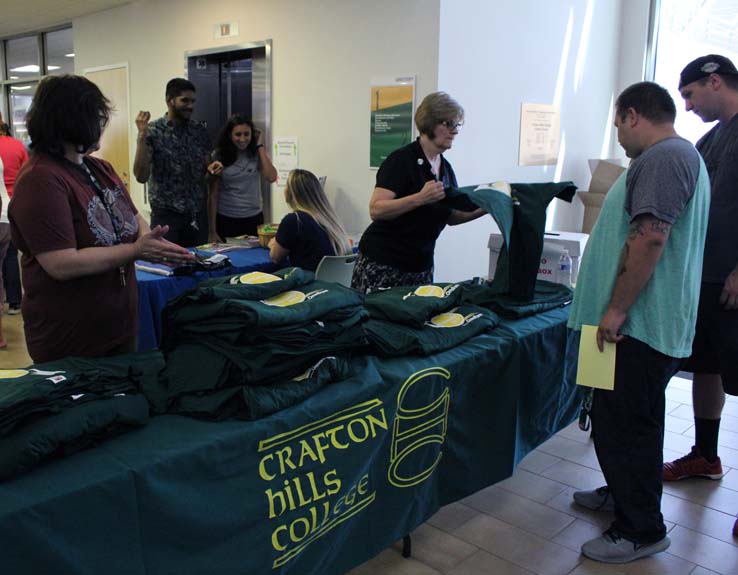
[172, 155]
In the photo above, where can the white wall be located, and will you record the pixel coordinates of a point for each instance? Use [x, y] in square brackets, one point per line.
[324, 56]
[493, 56]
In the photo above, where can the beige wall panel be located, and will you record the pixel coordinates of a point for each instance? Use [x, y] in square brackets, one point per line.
[325, 52]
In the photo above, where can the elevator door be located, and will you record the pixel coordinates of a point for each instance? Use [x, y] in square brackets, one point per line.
[233, 81]
[224, 87]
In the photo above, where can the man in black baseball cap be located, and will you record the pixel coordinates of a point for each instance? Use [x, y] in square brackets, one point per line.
[703, 66]
[709, 86]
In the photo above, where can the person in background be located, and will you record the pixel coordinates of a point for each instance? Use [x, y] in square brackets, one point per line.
[235, 205]
[709, 86]
[13, 155]
[4, 242]
[639, 283]
[312, 230]
[78, 230]
[172, 155]
[406, 210]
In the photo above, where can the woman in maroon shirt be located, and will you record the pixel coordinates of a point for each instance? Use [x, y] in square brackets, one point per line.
[79, 230]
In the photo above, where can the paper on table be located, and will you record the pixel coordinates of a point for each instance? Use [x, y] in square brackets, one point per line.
[596, 369]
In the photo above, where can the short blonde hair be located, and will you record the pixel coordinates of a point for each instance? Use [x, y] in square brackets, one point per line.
[435, 109]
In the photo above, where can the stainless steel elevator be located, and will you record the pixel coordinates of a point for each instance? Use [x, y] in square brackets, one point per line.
[230, 80]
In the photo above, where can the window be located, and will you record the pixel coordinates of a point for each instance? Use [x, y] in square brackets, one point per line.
[688, 30]
[59, 52]
[21, 96]
[27, 60]
[22, 57]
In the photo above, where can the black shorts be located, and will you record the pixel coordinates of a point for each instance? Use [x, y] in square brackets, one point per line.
[228, 227]
[715, 347]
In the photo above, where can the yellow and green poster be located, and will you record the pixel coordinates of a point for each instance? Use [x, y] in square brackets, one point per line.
[391, 117]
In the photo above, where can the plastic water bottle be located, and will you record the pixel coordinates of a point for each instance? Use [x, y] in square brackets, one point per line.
[564, 275]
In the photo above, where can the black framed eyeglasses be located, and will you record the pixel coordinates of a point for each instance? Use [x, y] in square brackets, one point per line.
[452, 125]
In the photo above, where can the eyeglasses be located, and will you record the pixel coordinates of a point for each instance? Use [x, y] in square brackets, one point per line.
[451, 125]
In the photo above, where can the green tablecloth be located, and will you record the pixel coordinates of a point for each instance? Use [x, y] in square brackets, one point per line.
[315, 489]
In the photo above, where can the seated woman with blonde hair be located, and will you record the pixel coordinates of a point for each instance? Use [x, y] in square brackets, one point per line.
[312, 230]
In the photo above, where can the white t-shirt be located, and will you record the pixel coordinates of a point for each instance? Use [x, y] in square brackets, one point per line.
[4, 199]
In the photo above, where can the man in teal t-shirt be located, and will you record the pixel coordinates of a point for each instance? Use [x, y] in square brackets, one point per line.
[639, 283]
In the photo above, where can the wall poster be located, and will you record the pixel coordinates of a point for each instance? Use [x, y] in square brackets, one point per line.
[392, 107]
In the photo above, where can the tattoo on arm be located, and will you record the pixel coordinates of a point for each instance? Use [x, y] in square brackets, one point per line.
[623, 258]
[636, 229]
[660, 227]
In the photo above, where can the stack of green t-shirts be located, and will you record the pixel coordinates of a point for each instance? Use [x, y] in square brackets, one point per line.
[521, 217]
[60, 407]
[233, 332]
[546, 296]
[253, 402]
[423, 320]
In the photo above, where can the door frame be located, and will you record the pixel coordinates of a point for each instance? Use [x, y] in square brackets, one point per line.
[267, 79]
[261, 76]
[127, 112]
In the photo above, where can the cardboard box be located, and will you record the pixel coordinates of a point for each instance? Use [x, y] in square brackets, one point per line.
[554, 244]
[604, 175]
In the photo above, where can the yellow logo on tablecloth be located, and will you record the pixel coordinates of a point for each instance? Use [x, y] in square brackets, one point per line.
[12, 373]
[257, 278]
[288, 298]
[419, 428]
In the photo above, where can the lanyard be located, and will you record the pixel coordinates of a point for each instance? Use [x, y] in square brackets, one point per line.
[101, 194]
[108, 208]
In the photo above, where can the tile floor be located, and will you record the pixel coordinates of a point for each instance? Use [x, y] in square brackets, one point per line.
[15, 355]
[528, 524]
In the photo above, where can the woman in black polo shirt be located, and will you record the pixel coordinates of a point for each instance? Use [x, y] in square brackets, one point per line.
[406, 210]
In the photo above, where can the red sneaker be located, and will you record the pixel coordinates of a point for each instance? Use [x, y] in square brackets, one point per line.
[692, 465]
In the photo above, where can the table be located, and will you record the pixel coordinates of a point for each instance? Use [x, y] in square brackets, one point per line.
[315, 489]
[154, 291]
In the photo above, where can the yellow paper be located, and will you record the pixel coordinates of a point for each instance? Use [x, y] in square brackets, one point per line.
[596, 369]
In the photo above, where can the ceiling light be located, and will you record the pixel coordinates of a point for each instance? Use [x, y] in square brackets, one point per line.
[20, 88]
[14, 78]
[31, 68]
[71, 55]
[26, 69]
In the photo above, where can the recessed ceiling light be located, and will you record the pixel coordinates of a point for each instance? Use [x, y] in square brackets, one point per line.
[69, 55]
[14, 78]
[18, 88]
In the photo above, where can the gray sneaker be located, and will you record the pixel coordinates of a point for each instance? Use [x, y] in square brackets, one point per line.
[598, 499]
[612, 548]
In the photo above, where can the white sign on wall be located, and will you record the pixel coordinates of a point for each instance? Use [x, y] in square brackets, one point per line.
[540, 134]
[285, 158]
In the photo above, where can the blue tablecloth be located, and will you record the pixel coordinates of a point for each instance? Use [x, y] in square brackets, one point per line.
[154, 291]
